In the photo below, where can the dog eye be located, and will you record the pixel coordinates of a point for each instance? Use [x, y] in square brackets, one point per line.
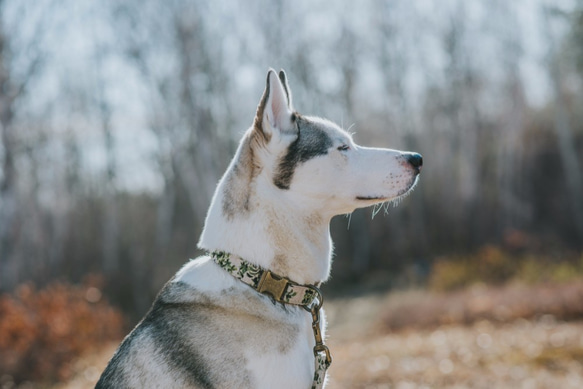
[343, 148]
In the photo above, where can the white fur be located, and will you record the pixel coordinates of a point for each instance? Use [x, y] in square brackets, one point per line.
[204, 275]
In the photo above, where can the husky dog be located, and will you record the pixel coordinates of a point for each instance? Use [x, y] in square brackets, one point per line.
[270, 213]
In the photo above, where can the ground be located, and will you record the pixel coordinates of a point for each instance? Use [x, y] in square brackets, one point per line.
[538, 353]
[534, 354]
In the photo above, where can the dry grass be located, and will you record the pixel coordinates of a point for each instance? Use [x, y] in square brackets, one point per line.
[497, 304]
[522, 354]
[479, 349]
[88, 368]
[495, 266]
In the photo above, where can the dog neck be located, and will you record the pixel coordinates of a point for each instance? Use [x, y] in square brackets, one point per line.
[253, 219]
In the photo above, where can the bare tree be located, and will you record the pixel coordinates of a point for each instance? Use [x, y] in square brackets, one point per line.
[13, 87]
[110, 223]
[170, 47]
[513, 208]
[568, 153]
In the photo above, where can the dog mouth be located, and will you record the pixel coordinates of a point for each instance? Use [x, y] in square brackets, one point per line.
[383, 198]
[371, 198]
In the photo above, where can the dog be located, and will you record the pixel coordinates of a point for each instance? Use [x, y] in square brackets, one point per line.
[247, 314]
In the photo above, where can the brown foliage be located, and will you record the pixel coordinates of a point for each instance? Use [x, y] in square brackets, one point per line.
[492, 265]
[497, 304]
[42, 331]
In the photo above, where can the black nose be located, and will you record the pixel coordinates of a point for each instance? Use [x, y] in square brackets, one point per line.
[414, 159]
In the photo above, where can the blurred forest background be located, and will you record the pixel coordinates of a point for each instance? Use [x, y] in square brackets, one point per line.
[118, 117]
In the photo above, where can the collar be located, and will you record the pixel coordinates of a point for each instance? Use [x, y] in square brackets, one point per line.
[282, 289]
[285, 291]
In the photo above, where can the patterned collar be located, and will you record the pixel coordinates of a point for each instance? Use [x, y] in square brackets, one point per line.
[282, 289]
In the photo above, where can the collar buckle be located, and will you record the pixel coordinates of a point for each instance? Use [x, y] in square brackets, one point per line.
[273, 285]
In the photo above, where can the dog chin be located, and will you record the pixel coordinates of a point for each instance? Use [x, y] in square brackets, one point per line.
[373, 199]
[406, 192]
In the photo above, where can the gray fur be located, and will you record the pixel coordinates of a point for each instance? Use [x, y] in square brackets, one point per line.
[166, 329]
[312, 141]
[196, 339]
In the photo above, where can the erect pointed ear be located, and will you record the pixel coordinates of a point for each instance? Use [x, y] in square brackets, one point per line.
[283, 79]
[273, 113]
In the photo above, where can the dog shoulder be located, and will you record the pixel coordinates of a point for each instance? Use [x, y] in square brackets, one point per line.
[161, 351]
[179, 341]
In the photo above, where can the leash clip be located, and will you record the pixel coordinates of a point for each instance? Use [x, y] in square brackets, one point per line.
[314, 309]
[324, 348]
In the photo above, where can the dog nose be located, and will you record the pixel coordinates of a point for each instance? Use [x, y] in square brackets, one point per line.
[414, 159]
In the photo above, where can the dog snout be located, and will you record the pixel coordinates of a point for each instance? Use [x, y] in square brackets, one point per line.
[415, 159]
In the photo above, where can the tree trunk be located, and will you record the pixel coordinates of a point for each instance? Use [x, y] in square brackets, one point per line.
[568, 153]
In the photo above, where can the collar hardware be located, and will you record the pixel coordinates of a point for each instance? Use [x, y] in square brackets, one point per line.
[272, 285]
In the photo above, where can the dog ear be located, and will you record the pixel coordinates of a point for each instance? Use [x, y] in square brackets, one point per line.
[273, 113]
[283, 79]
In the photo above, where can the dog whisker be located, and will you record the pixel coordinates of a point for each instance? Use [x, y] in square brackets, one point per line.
[349, 128]
[349, 216]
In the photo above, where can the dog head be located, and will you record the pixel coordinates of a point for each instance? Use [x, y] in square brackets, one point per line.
[291, 174]
[313, 162]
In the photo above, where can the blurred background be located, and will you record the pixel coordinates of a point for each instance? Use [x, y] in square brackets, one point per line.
[118, 117]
